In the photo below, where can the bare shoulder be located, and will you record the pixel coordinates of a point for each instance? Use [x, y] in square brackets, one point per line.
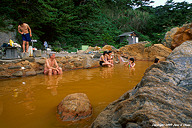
[46, 60]
[25, 24]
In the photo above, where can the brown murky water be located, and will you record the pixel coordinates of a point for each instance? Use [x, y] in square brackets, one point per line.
[31, 102]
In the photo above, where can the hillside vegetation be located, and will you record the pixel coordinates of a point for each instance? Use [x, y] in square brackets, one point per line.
[71, 23]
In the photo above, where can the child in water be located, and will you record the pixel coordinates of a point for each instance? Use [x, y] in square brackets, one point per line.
[156, 60]
[131, 63]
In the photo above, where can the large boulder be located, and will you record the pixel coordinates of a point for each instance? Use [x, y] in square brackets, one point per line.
[163, 98]
[109, 48]
[176, 36]
[74, 107]
[140, 52]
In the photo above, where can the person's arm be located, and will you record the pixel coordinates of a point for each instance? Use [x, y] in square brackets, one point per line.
[47, 64]
[57, 66]
[133, 65]
[19, 30]
[29, 30]
[108, 57]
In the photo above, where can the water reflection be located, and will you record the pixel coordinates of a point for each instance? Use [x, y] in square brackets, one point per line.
[131, 71]
[29, 98]
[1, 107]
[52, 83]
[106, 72]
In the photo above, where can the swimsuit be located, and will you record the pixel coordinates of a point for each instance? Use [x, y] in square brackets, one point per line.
[131, 64]
[101, 62]
[26, 37]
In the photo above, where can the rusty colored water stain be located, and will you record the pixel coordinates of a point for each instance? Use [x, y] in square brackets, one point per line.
[31, 102]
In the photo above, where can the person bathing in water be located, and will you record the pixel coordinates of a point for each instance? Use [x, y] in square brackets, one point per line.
[103, 60]
[51, 66]
[156, 60]
[131, 63]
[110, 57]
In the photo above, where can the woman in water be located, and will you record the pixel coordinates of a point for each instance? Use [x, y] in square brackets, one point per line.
[103, 60]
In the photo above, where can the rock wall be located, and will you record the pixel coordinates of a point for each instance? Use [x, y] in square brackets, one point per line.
[5, 36]
[176, 36]
[140, 52]
[163, 98]
[33, 66]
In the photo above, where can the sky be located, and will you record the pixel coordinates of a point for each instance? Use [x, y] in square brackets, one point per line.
[162, 2]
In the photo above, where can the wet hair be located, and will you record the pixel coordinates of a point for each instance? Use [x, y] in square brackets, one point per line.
[20, 22]
[105, 52]
[132, 59]
[156, 60]
[50, 54]
[109, 52]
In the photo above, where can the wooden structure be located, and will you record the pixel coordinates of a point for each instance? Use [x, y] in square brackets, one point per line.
[131, 37]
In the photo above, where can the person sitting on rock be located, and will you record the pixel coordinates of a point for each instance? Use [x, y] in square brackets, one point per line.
[110, 57]
[156, 60]
[103, 60]
[51, 66]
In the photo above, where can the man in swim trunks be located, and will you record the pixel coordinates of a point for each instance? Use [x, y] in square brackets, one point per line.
[25, 32]
[51, 66]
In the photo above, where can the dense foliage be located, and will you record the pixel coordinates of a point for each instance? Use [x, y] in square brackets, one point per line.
[71, 23]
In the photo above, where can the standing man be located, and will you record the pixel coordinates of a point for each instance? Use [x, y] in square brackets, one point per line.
[25, 32]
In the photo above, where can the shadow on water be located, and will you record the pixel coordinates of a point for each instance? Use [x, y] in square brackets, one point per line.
[31, 101]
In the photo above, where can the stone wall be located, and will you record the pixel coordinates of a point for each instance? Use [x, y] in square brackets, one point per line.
[33, 66]
[163, 98]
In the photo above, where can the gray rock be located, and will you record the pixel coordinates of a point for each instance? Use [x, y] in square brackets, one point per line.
[18, 74]
[97, 55]
[40, 61]
[2, 69]
[5, 76]
[27, 67]
[40, 72]
[77, 64]
[14, 67]
[31, 73]
[68, 66]
[5, 36]
[37, 53]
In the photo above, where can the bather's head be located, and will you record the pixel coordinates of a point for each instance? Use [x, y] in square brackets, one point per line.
[52, 55]
[20, 23]
[109, 52]
[105, 52]
[132, 59]
[156, 60]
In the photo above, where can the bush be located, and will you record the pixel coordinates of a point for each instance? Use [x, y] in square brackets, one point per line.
[148, 44]
[56, 49]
